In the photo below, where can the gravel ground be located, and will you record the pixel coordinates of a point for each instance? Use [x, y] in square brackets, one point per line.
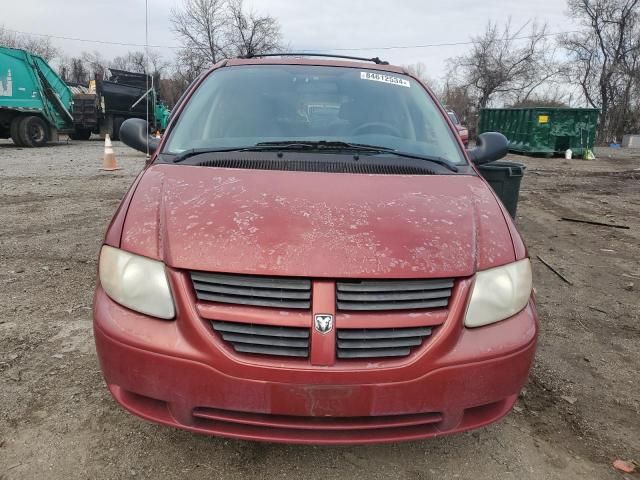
[579, 412]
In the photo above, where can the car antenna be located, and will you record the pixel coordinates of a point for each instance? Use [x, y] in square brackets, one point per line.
[146, 63]
[375, 60]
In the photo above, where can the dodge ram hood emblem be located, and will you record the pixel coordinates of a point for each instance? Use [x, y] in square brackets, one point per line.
[323, 323]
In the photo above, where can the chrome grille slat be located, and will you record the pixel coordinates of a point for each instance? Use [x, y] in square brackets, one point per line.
[266, 330]
[399, 305]
[388, 295]
[258, 302]
[379, 342]
[394, 285]
[372, 353]
[383, 343]
[265, 339]
[275, 351]
[253, 292]
[276, 292]
[395, 296]
[252, 280]
[373, 333]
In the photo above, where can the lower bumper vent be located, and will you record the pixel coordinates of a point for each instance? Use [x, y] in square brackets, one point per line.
[382, 342]
[318, 429]
[265, 339]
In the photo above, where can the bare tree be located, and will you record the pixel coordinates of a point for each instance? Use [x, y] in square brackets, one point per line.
[140, 62]
[541, 101]
[171, 89]
[95, 63]
[74, 70]
[604, 59]
[459, 100]
[201, 26]
[40, 46]
[131, 62]
[506, 63]
[419, 70]
[251, 34]
[212, 30]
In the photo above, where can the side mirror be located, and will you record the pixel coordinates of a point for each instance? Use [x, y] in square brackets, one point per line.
[491, 146]
[134, 132]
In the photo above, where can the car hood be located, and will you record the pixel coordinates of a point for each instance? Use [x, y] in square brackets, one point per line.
[316, 224]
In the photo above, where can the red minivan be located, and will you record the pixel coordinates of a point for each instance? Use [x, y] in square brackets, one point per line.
[310, 256]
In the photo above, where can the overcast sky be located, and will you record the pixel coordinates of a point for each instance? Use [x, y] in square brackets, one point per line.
[306, 24]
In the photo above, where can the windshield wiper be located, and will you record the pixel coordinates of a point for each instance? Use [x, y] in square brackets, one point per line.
[181, 157]
[433, 159]
[315, 145]
[358, 147]
[288, 145]
[319, 145]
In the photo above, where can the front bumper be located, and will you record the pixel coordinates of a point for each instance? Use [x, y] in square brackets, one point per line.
[171, 373]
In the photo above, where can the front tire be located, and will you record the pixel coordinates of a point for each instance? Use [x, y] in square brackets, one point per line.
[14, 130]
[33, 132]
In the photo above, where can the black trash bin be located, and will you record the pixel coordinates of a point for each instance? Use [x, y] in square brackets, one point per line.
[505, 178]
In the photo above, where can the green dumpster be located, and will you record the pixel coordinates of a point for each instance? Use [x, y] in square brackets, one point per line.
[543, 131]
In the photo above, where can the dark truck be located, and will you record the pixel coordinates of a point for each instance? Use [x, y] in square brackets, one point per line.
[36, 105]
[108, 102]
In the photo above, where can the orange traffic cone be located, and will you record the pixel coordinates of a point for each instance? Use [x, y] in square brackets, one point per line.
[109, 163]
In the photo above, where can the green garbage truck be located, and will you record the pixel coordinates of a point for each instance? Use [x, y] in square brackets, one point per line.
[36, 105]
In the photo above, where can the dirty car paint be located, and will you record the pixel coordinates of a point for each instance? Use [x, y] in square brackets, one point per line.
[316, 224]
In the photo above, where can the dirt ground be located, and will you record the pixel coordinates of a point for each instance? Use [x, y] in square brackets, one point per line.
[579, 412]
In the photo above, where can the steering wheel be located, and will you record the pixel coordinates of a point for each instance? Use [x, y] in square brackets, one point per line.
[376, 126]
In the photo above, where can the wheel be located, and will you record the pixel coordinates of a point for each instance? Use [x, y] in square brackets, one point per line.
[32, 132]
[80, 134]
[13, 131]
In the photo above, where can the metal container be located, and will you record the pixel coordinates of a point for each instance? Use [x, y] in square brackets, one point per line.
[543, 131]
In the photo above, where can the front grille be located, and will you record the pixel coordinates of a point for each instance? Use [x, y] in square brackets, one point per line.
[379, 342]
[265, 339]
[278, 292]
[378, 295]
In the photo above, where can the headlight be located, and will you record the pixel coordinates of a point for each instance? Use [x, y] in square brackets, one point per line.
[499, 293]
[136, 282]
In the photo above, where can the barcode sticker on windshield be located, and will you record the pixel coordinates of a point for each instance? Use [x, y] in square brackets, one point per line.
[381, 77]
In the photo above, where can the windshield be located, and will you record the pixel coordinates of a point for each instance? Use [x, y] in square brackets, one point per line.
[242, 106]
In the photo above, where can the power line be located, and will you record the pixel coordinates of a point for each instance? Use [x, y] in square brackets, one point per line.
[85, 40]
[435, 45]
[356, 49]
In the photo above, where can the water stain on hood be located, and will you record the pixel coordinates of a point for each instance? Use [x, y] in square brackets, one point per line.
[316, 224]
